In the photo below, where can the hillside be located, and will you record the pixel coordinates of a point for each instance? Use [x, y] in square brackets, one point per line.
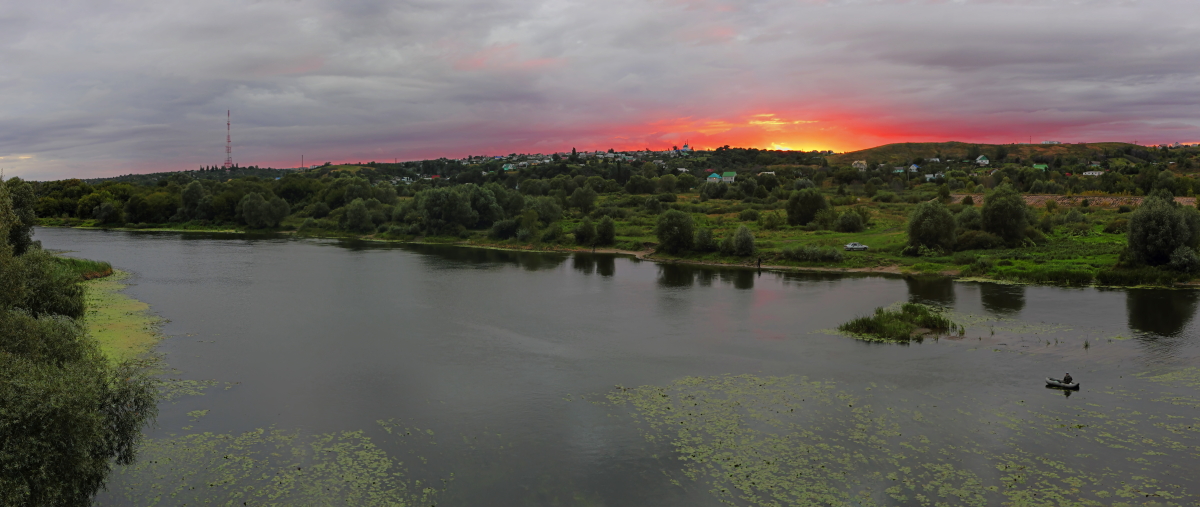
[900, 153]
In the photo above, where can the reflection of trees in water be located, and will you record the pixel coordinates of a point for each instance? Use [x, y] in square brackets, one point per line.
[601, 264]
[676, 275]
[1160, 316]
[932, 290]
[530, 261]
[682, 275]
[1002, 299]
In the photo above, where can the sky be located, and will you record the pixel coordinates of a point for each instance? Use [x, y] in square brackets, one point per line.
[100, 88]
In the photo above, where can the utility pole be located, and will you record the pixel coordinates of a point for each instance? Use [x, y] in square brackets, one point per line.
[228, 143]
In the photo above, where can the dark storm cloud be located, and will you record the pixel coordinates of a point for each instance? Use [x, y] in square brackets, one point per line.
[101, 88]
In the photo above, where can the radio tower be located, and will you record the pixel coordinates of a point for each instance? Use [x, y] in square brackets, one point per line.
[228, 144]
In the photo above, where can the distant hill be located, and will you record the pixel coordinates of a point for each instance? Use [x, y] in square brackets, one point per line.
[901, 153]
[202, 174]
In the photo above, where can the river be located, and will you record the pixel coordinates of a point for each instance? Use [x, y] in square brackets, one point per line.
[327, 372]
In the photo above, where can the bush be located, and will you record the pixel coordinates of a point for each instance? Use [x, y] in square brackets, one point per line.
[1184, 259]
[771, 221]
[1074, 217]
[825, 219]
[585, 232]
[1124, 208]
[749, 215]
[705, 241]
[675, 231]
[1117, 226]
[606, 232]
[804, 205]
[884, 196]
[504, 229]
[850, 221]
[1051, 205]
[963, 258]
[813, 254]
[1005, 214]
[968, 201]
[743, 242]
[978, 240]
[930, 225]
[969, 219]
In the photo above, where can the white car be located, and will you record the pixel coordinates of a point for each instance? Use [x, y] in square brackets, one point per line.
[856, 246]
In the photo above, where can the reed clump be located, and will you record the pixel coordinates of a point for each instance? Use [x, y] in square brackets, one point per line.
[911, 322]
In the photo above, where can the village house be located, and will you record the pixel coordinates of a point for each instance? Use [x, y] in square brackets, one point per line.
[861, 165]
[933, 176]
[1043, 167]
[713, 178]
[1093, 173]
[982, 160]
[728, 177]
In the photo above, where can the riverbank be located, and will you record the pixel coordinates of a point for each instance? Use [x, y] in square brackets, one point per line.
[122, 325]
[1083, 254]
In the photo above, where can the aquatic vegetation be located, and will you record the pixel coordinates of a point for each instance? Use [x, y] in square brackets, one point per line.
[774, 441]
[123, 326]
[271, 467]
[899, 326]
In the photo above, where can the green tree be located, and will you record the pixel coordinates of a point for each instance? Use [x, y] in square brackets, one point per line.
[931, 225]
[675, 231]
[67, 414]
[1005, 214]
[583, 198]
[1159, 227]
[444, 211]
[743, 242]
[22, 202]
[606, 232]
[585, 233]
[357, 217]
[804, 204]
[667, 183]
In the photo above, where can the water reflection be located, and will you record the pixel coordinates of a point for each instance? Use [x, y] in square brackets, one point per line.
[930, 290]
[1002, 299]
[1160, 313]
[676, 275]
[587, 263]
[482, 257]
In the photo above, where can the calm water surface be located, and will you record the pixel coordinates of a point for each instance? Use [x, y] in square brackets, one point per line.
[381, 370]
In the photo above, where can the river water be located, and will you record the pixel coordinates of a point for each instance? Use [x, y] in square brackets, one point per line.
[314, 372]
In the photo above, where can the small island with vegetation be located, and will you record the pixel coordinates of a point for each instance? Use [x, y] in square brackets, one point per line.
[913, 321]
[1071, 214]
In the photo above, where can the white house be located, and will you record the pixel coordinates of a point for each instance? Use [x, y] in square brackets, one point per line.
[934, 159]
[982, 160]
[934, 176]
[728, 177]
[914, 168]
[861, 165]
[1051, 142]
[1093, 173]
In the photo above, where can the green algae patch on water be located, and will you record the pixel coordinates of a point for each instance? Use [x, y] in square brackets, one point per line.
[271, 467]
[124, 326]
[775, 441]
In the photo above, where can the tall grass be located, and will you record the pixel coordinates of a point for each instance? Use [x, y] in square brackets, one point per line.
[1059, 276]
[893, 326]
[813, 254]
[86, 269]
[1137, 276]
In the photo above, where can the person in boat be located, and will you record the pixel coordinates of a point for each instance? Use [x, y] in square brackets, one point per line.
[1067, 379]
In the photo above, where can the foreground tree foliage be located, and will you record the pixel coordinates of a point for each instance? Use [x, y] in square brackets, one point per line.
[66, 413]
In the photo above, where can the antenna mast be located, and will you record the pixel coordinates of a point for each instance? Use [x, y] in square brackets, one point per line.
[228, 143]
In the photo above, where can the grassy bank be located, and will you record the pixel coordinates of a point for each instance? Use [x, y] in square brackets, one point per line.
[1079, 253]
[123, 325]
[86, 269]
